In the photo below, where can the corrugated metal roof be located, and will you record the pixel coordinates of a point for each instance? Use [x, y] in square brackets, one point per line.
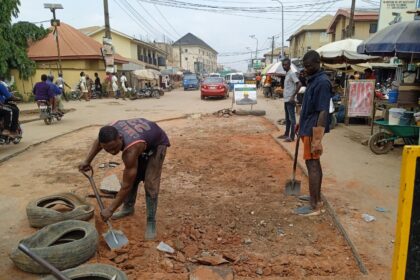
[191, 39]
[320, 24]
[73, 45]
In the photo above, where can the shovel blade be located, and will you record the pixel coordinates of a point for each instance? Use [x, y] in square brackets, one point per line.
[115, 239]
[293, 187]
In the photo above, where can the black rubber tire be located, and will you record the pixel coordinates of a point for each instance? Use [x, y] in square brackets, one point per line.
[48, 121]
[64, 245]
[249, 112]
[94, 271]
[40, 214]
[382, 147]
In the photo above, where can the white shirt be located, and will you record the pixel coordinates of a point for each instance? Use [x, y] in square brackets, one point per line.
[123, 80]
[114, 83]
[289, 85]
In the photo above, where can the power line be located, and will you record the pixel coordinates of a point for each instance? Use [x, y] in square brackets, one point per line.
[163, 29]
[131, 16]
[169, 24]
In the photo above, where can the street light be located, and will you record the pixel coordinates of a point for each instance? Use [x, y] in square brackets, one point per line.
[250, 51]
[282, 27]
[256, 50]
[55, 23]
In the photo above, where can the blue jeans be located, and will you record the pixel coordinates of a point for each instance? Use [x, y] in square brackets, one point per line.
[290, 112]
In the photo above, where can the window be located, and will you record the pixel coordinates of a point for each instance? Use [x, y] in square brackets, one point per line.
[323, 37]
[373, 27]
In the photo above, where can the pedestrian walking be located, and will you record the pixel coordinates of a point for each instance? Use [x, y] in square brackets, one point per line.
[124, 84]
[89, 85]
[98, 86]
[83, 86]
[143, 145]
[114, 84]
[258, 80]
[108, 84]
[313, 123]
[291, 88]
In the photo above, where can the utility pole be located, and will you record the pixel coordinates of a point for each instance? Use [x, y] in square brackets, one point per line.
[55, 23]
[282, 26]
[107, 25]
[351, 21]
[256, 49]
[180, 56]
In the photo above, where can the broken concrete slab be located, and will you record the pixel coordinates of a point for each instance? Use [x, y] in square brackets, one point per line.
[212, 260]
[110, 184]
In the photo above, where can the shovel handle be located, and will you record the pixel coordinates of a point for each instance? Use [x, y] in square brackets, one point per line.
[296, 156]
[54, 271]
[89, 174]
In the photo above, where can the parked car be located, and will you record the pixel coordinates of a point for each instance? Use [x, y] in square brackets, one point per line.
[214, 87]
[190, 81]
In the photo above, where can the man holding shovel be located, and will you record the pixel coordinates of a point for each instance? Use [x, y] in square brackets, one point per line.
[314, 120]
[143, 145]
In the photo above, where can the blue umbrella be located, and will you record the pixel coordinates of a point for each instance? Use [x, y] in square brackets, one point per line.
[401, 39]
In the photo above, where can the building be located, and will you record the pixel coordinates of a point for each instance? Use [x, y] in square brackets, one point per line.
[310, 37]
[193, 54]
[78, 53]
[275, 56]
[365, 24]
[141, 55]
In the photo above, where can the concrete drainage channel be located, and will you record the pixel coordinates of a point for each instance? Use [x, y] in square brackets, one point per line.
[65, 241]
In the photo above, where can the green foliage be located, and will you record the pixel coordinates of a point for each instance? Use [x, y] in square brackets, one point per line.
[14, 40]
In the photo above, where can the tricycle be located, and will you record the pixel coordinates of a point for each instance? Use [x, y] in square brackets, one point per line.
[383, 141]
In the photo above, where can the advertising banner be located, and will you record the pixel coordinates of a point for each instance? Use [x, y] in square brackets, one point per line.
[360, 98]
[245, 94]
[392, 11]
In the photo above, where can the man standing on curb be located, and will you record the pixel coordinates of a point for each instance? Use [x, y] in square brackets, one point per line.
[313, 124]
[291, 88]
[143, 144]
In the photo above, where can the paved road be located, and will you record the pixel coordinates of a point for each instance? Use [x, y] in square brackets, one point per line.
[356, 181]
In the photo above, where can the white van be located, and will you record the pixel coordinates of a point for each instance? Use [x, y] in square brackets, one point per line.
[234, 78]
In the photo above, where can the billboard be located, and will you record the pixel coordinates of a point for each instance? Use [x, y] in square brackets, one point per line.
[245, 94]
[360, 98]
[392, 11]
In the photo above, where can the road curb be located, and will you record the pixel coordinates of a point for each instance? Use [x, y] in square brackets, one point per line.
[6, 158]
[332, 212]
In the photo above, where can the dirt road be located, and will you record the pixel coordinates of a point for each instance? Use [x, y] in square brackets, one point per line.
[221, 194]
[355, 180]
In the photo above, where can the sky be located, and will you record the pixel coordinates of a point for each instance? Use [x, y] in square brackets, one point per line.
[227, 31]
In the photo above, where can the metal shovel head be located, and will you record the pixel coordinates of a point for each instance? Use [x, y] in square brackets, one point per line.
[293, 187]
[115, 239]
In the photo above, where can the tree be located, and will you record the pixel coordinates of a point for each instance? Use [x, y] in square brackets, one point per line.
[15, 39]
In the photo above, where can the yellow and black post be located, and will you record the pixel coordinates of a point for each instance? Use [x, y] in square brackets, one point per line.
[406, 261]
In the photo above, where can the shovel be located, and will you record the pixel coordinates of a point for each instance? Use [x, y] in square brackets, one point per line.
[293, 186]
[115, 239]
[54, 271]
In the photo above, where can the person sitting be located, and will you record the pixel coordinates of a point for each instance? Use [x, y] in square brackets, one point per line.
[9, 112]
[43, 91]
[57, 94]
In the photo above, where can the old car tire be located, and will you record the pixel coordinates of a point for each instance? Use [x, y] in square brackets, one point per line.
[40, 212]
[64, 245]
[378, 147]
[249, 112]
[48, 121]
[93, 271]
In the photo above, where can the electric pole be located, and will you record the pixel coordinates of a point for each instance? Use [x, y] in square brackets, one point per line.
[351, 21]
[107, 26]
[55, 23]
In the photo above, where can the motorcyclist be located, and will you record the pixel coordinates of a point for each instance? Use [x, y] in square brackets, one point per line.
[8, 112]
[43, 91]
[57, 94]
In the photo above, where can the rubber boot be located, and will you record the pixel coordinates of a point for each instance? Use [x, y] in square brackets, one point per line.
[125, 211]
[151, 207]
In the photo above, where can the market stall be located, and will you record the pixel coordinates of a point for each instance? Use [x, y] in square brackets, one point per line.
[400, 42]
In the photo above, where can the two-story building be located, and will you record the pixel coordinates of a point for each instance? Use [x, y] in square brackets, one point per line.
[141, 55]
[365, 24]
[310, 37]
[274, 56]
[193, 54]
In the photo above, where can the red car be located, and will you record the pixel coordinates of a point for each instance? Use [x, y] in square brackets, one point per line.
[214, 87]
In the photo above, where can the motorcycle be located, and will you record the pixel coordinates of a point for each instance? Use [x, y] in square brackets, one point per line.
[7, 139]
[145, 92]
[46, 112]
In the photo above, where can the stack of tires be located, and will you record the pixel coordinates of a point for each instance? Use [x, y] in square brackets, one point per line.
[65, 240]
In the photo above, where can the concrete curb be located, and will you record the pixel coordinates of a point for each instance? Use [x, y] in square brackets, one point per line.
[333, 214]
[2, 160]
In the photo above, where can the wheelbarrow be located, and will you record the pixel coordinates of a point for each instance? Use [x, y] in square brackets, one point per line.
[383, 141]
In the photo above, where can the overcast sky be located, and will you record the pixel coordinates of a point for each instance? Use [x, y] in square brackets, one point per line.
[225, 32]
